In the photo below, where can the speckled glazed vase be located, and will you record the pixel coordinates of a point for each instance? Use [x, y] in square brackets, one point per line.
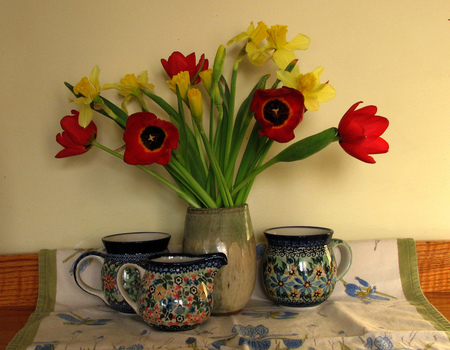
[230, 231]
[299, 265]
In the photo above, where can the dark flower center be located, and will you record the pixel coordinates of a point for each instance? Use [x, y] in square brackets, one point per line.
[153, 137]
[276, 112]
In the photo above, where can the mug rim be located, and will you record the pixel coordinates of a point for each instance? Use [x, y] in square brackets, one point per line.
[141, 244]
[193, 258]
[321, 231]
[108, 237]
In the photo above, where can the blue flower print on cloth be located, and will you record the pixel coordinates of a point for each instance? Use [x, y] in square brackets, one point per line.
[256, 337]
[364, 291]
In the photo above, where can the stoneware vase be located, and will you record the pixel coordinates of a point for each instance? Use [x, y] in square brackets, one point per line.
[133, 247]
[176, 291]
[230, 231]
[299, 265]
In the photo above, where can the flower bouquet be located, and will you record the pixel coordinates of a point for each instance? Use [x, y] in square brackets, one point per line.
[214, 160]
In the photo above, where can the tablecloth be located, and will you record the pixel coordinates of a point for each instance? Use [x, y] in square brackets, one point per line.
[377, 305]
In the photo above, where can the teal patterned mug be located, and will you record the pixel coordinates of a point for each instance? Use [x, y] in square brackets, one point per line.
[176, 290]
[299, 265]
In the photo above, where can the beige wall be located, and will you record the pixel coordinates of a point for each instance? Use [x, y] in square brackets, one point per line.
[394, 54]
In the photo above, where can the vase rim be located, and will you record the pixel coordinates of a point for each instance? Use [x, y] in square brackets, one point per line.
[217, 210]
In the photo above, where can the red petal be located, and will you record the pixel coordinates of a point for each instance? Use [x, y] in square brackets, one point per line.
[375, 145]
[357, 152]
[76, 132]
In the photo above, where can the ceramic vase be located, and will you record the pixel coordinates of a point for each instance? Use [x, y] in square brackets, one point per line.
[230, 231]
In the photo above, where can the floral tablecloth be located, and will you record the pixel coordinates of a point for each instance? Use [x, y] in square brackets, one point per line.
[378, 305]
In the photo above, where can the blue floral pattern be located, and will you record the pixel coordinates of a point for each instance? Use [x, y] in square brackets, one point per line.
[257, 337]
[364, 291]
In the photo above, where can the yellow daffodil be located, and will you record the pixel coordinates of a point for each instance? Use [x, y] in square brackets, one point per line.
[195, 104]
[254, 36]
[183, 81]
[284, 54]
[89, 90]
[130, 86]
[206, 78]
[309, 85]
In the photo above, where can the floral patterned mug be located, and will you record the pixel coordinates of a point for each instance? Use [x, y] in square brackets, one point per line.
[134, 247]
[299, 265]
[176, 290]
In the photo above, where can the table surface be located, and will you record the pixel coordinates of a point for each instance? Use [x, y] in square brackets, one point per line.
[432, 258]
[12, 319]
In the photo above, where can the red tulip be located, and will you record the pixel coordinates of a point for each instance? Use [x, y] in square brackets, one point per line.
[75, 139]
[278, 111]
[179, 63]
[149, 139]
[360, 132]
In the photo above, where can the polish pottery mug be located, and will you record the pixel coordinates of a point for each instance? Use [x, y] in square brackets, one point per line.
[299, 265]
[135, 247]
[176, 290]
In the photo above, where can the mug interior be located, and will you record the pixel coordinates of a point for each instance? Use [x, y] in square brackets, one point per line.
[175, 259]
[304, 231]
[136, 242]
[135, 237]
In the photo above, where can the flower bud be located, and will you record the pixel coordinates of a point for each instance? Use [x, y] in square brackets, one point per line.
[206, 77]
[196, 105]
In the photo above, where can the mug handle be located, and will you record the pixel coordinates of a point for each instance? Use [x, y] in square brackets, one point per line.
[121, 287]
[77, 273]
[346, 257]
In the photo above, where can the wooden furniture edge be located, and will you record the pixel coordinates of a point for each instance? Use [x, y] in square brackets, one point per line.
[19, 280]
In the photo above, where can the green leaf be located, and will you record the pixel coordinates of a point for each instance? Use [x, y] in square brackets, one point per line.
[308, 146]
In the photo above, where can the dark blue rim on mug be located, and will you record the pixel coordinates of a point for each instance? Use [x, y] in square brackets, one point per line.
[136, 242]
[218, 259]
[298, 239]
[194, 259]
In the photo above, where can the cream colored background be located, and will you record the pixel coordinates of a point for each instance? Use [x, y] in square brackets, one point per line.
[394, 54]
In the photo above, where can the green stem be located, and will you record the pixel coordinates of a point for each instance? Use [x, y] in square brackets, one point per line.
[231, 104]
[109, 112]
[192, 183]
[138, 96]
[180, 193]
[223, 189]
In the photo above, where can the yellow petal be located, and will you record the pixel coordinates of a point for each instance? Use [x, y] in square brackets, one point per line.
[311, 103]
[326, 93]
[243, 35]
[300, 42]
[288, 79]
[195, 104]
[93, 77]
[260, 33]
[83, 87]
[255, 54]
[283, 57]
[277, 35]
[182, 80]
[143, 77]
[85, 116]
[206, 77]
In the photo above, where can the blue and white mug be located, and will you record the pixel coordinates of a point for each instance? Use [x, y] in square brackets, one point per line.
[299, 265]
[123, 248]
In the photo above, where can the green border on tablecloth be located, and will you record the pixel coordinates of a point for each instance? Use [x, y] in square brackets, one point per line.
[409, 273]
[45, 303]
